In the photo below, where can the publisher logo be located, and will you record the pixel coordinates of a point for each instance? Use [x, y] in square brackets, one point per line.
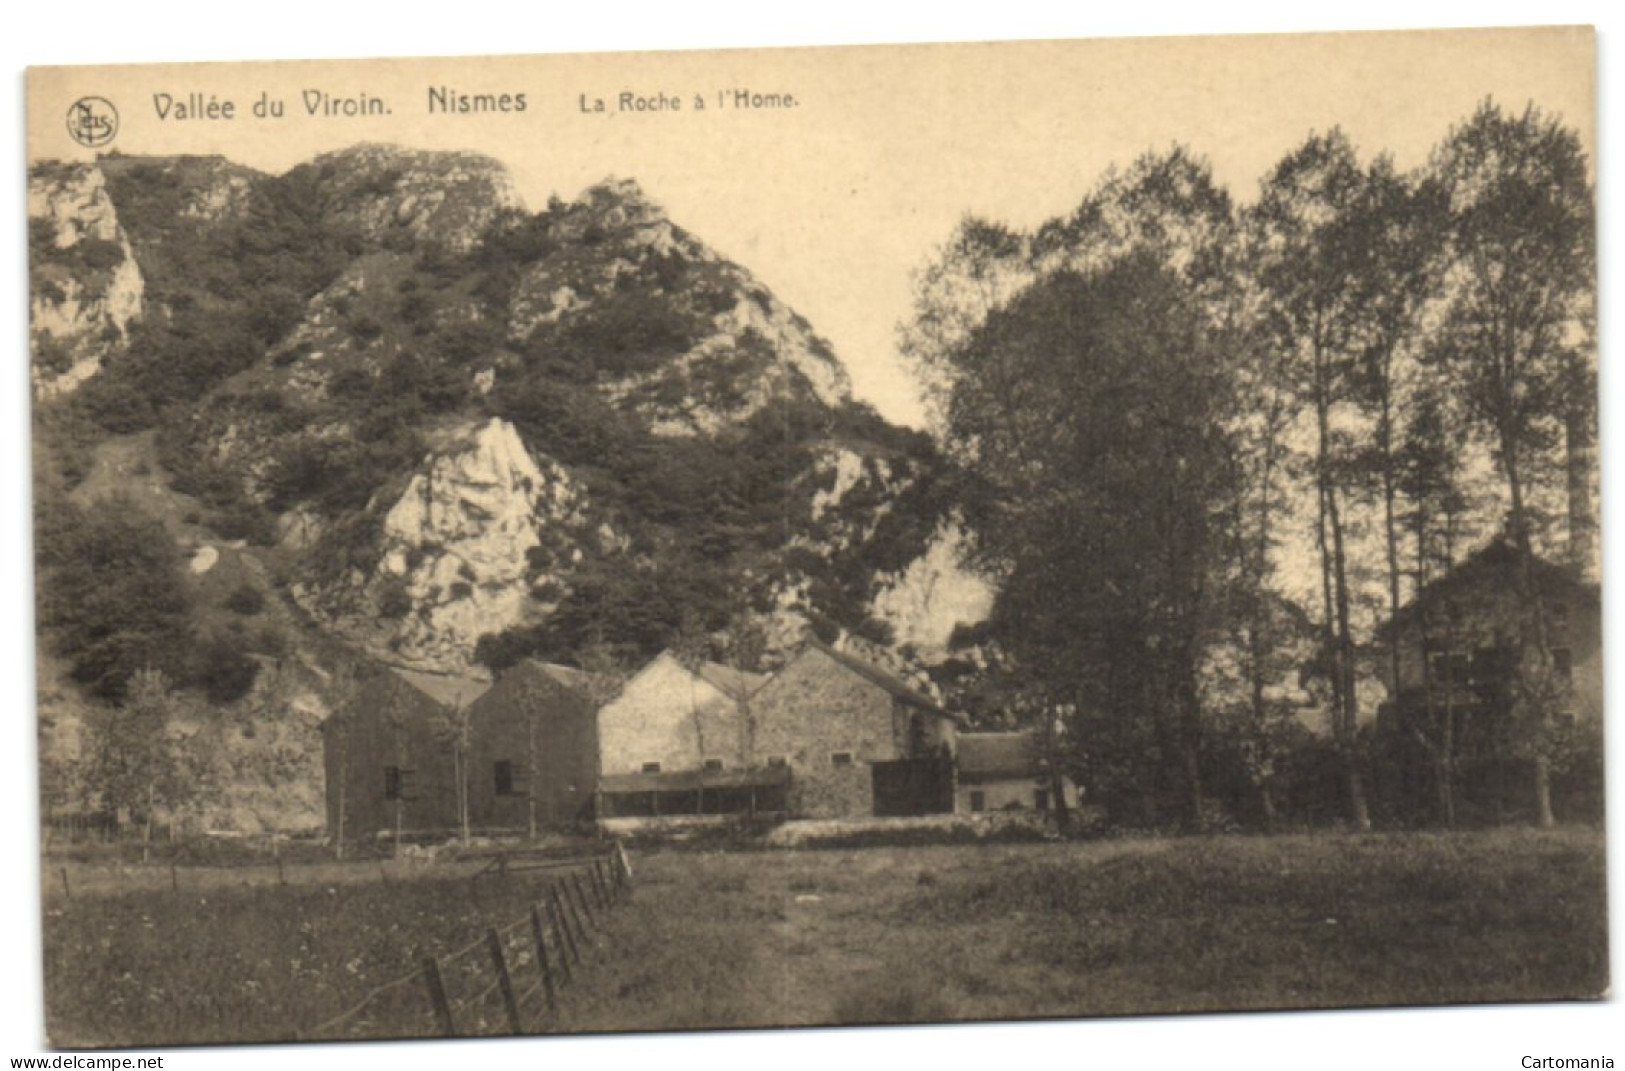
[92, 121]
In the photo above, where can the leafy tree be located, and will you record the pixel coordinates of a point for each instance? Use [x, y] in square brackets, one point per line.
[112, 595]
[1309, 227]
[1516, 327]
[1399, 232]
[137, 763]
[1430, 479]
[981, 266]
[1091, 409]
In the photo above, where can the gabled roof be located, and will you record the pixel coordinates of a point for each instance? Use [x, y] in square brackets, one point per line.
[565, 675]
[449, 690]
[572, 680]
[992, 755]
[734, 683]
[875, 675]
[1494, 566]
[406, 696]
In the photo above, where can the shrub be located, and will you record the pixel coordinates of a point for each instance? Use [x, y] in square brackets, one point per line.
[246, 600]
[222, 670]
[394, 602]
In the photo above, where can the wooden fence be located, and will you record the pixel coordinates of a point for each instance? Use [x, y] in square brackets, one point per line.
[508, 980]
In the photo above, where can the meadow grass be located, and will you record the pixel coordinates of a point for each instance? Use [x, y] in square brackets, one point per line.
[262, 963]
[1105, 928]
[749, 939]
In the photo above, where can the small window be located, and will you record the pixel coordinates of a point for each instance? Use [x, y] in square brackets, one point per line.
[392, 782]
[1041, 799]
[840, 758]
[1452, 668]
[777, 762]
[978, 801]
[713, 765]
[651, 767]
[1563, 663]
[503, 772]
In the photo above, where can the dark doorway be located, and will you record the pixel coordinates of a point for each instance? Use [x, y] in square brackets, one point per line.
[911, 787]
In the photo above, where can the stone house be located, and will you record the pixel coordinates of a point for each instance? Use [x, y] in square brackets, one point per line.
[391, 754]
[852, 738]
[533, 749]
[1462, 658]
[1008, 772]
[678, 741]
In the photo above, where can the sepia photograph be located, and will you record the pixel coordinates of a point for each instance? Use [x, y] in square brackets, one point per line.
[863, 536]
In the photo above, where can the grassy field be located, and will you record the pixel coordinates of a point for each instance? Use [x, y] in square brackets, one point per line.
[884, 935]
[1103, 928]
[272, 963]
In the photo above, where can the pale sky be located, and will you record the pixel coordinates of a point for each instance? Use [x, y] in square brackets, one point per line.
[835, 202]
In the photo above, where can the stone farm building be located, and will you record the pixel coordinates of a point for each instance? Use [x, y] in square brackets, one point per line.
[391, 757]
[532, 750]
[677, 740]
[853, 738]
[1008, 772]
[1458, 647]
[830, 735]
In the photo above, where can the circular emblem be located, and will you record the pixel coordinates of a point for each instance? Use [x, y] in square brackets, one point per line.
[92, 121]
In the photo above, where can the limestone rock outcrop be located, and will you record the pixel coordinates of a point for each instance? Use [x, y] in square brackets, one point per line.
[86, 289]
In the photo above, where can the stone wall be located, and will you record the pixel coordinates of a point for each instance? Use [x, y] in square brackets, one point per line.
[814, 709]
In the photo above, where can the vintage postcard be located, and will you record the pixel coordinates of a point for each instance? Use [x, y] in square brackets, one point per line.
[536, 545]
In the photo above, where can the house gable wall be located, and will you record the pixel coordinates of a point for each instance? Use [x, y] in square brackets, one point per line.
[547, 734]
[668, 715]
[389, 723]
[1485, 615]
[814, 708]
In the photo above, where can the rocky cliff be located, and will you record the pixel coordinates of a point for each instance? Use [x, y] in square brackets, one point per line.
[456, 431]
[85, 287]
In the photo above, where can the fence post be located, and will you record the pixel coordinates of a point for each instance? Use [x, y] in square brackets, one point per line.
[561, 942]
[504, 981]
[626, 864]
[437, 997]
[542, 962]
[596, 874]
[564, 923]
[174, 880]
[581, 899]
[67, 890]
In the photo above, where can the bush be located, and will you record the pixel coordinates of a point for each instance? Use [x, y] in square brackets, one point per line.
[222, 670]
[394, 602]
[246, 600]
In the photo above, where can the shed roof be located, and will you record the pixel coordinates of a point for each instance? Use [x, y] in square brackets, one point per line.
[691, 780]
[999, 754]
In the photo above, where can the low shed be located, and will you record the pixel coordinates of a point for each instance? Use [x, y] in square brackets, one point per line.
[1007, 772]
